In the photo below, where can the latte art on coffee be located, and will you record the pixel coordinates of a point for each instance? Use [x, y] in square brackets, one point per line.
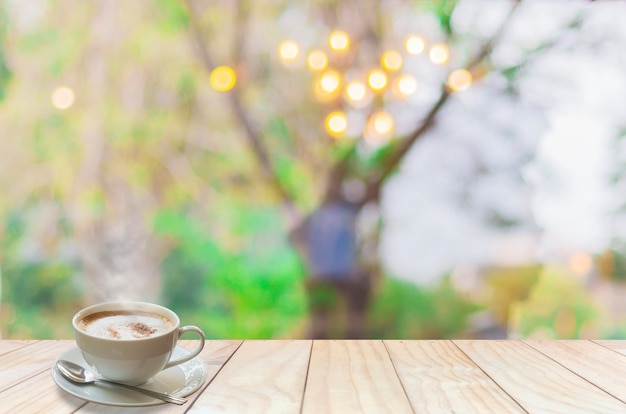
[125, 325]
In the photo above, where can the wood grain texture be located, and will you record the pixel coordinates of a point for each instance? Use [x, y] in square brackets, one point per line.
[38, 394]
[214, 355]
[27, 361]
[9, 345]
[281, 376]
[616, 345]
[603, 367]
[439, 378]
[353, 377]
[261, 377]
[536, 382]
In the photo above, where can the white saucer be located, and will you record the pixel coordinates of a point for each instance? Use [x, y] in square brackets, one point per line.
[180, 380]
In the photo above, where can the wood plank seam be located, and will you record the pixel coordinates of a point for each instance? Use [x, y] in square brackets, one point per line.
[575, 373]
[491, 378]
[395, 368]
[201, 390]
[306, 376]
[22, 347]
[596, 341]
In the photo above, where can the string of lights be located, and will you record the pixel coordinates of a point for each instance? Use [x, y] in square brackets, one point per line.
[333, 84]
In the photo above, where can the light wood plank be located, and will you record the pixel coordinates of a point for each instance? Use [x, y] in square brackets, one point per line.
[353, 377]
[27, 361]
[38, 394]
[439, 378]
[535, 381]
[261, 377]
[618, 345]
[7, 345]
[599, 365]
[214, 355]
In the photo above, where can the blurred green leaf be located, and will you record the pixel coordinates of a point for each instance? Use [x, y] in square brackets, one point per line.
[443, 10]
[5, 72]
[172, 15]
[403, 310]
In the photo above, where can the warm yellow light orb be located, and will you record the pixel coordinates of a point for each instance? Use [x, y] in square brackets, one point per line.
[377, 79]
[383, 123]
[330, 81]
[392, 60]
[439, 54]
[288, 50]
[380, 128]
[222, 78]
[414, 45]
[407, 85]
[62, 97]
[317, 60]
[339, 41]
[336, 123]
[459, 80]
[356, 91]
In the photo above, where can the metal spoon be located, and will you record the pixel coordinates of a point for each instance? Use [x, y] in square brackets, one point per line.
[80, 375]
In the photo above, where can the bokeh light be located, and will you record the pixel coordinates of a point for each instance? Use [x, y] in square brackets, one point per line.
[62, 97]
[380, 128]
[339, 41]
[356, 91]
[414, 45]
[223, 78]
[383, 123]
[336, 124]
[330, 81]
[392, 60]
[459, 80]
[439, 54]
[288, 50]
[406, 85]
[377, 80]
[317, 60]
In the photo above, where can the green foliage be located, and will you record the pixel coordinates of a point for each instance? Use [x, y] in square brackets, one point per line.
[443, 10]
[45, 284]
[377, 159]
[39, 294]
[277, 128]
[5, 72]
[403, 310]
[147, 129]
[558, 307]
[45, 281]
[187, 87]
[612, 262]
[49, 138]
[38, 322]
[172, 16]
[251, 290]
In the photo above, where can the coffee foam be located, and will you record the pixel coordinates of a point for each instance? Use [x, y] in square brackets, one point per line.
[125, 325]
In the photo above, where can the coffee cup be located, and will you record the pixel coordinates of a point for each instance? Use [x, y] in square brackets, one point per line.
[130, 342]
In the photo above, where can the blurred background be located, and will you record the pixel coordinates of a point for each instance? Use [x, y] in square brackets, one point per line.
[175, 151]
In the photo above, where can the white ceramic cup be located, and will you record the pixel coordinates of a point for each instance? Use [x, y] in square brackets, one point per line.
[133, 361]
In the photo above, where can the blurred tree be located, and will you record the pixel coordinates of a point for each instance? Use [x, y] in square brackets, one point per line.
[335, 172]
[140, 167]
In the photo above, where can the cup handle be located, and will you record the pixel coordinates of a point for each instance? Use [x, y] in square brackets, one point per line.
[194, 353]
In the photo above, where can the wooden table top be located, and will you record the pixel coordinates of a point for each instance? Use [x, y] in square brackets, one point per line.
[350, 376]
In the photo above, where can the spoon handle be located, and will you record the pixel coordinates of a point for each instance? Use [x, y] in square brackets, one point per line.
[155, 394]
